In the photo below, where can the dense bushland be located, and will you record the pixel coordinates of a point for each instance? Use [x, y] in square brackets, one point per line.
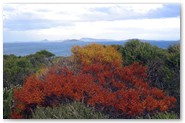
[98, 80]
[16, 69]
[163, 65]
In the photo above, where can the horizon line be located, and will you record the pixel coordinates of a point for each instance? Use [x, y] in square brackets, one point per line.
[82, 39]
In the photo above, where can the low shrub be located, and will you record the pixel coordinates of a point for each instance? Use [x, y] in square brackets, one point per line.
[160, 115]
[75, 110]
[165, 115]
[7, 102]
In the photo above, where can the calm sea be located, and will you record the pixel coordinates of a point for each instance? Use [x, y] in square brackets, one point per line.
[61, 48]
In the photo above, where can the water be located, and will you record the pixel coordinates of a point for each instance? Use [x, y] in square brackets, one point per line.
[62, 48]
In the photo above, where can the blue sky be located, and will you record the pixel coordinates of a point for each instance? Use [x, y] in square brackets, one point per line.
[34, 22]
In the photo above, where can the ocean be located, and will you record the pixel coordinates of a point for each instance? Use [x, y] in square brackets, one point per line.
[62, 48]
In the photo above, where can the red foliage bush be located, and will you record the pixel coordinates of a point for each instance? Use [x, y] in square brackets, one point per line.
[121, 92]
[125, 90]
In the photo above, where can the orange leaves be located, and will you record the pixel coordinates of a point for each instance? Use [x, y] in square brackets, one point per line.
[96, 53]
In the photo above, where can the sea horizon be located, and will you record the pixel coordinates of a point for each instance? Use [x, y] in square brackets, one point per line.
[64, 48]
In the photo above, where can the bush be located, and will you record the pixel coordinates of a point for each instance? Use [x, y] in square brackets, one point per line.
[7, 102]
[75, 110]
[40, 58]
[96, 53]
[16, 69]
[165, 115]
[163, 65]
[120, 92]
[160, 115]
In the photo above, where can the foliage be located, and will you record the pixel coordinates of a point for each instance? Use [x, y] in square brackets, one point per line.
[40, 58]
[65, 62]
[160, 115]
[173, 63]
[120, 92]
[96, 53]
[163, 64]
[16, 69]
[75, 110]
[136, 51]
[165, 115]
[42, 54]
[7, 102]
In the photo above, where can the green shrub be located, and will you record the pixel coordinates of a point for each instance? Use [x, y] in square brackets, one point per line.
[16, 69]
[165, 115]
[7, 102]
[41, 58]
[75, 110]
[136, 51]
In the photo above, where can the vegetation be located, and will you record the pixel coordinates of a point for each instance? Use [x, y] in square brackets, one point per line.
[165, 115]
[74, 110]
[16, 69]
[135, 80]
[163, 65]
[96, 53]
[160, 115]
[7, 102]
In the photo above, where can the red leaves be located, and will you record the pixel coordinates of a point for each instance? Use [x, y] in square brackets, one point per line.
[97, 84]
[157, 93]
[124, 89]
[31, 92]
[150, 103]
[166, 103]
[16, 115]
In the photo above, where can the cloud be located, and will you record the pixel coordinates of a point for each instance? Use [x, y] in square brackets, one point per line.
[31, 21]
[156, 29]
[167, 11]
[133, 11]
[9, 9]
[114, 21]
[32, 24]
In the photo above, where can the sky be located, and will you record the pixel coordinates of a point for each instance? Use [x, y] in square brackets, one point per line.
[36, 22]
